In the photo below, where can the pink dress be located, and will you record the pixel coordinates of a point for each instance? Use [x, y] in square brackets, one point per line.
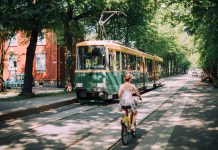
[127, 99]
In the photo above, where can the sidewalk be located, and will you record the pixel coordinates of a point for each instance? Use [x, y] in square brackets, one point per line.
[10, 109]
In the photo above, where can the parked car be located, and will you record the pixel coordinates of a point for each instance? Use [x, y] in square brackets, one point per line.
[7, 84]
[16, 81]
[206, 76]
[194, 74]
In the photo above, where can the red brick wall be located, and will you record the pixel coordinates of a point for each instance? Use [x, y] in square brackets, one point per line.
[51, 74]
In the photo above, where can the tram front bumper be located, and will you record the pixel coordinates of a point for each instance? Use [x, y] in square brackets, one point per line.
[94, 93]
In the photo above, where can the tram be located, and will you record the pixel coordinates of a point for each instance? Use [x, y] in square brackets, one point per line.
[101, 66]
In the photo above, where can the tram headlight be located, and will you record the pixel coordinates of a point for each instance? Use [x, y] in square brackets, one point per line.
[100, 85]
[79, 84]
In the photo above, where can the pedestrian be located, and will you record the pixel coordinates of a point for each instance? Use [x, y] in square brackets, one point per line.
[68, 87]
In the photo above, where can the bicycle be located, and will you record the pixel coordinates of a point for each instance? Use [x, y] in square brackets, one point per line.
[126, 122]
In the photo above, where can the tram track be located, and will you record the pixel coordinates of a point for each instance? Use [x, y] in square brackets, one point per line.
[55, 119]
[80, 142]
[26, 118]
[96, 126]
[138, 124]
[31, 125]
[157, 110]
[12, 124]
[20, 120]
[97, 130]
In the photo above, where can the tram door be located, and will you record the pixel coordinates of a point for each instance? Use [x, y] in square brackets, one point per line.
[150, 69]
[139, 71]
[113, 76]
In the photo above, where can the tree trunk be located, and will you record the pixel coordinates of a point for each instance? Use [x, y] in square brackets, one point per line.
[28, 78]
[214, 69]
[171, 66]
[2, 57]
[127, 36]
[68, 39]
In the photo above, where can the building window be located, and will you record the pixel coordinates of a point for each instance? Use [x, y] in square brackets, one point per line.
[40, 62]
[12, 62]
[13, 41]
[41, 39]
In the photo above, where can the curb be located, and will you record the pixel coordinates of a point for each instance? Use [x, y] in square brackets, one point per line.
[34, 110]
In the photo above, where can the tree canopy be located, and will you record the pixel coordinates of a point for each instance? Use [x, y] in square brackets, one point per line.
[200, 18]
[30, 17]
[163, 28]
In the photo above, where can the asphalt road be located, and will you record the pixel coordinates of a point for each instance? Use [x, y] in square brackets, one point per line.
[180, 115]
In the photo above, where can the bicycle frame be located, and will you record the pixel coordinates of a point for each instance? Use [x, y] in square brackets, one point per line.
[127, 117]
[126, 123]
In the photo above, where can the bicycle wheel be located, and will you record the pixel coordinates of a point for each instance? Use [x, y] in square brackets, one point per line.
[124, 134]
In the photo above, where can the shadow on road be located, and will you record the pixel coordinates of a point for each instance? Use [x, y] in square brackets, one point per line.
[198, 128]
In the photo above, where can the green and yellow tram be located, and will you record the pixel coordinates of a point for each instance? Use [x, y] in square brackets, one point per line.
[102, 64]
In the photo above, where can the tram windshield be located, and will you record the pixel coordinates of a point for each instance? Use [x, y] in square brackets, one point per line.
[91, 57]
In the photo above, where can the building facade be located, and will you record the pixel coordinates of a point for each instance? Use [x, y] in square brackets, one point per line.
[48, 65]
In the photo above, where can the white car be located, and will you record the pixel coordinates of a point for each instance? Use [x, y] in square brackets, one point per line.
[194, 74]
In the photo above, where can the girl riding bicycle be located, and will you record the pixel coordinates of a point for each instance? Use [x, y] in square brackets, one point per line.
[126, 99]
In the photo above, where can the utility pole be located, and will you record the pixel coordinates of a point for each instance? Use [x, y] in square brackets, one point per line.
[102, 21]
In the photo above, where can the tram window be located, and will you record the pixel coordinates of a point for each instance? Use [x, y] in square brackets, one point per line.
[150, 66]
[138, 63]
[132, 62]
[159, 67]
[128, 62]
[124, 63]
[118, 60]
[145, 67]
[111, 61]
[91, 57]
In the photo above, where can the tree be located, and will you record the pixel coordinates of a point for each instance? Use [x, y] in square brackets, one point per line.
[30, 17]
[201, 20]
[4, 36]
[134, 29]
[76, 16]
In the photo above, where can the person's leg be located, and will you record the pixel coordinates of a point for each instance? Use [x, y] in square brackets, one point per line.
[125, 110]
[125, 114]
[133, 120]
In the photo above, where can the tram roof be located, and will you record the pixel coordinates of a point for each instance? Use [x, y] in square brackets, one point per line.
[119, 47]
[158, 58]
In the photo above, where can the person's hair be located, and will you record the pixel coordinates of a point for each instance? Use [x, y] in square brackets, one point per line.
[127, 77]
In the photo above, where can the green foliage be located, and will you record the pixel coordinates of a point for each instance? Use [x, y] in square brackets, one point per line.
[147, 26]
[82, 17]
[26, 15]
[31, 17]
[170, 41]
[203, 23]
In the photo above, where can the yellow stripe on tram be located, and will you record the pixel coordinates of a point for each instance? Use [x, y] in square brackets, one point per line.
[87, 71]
